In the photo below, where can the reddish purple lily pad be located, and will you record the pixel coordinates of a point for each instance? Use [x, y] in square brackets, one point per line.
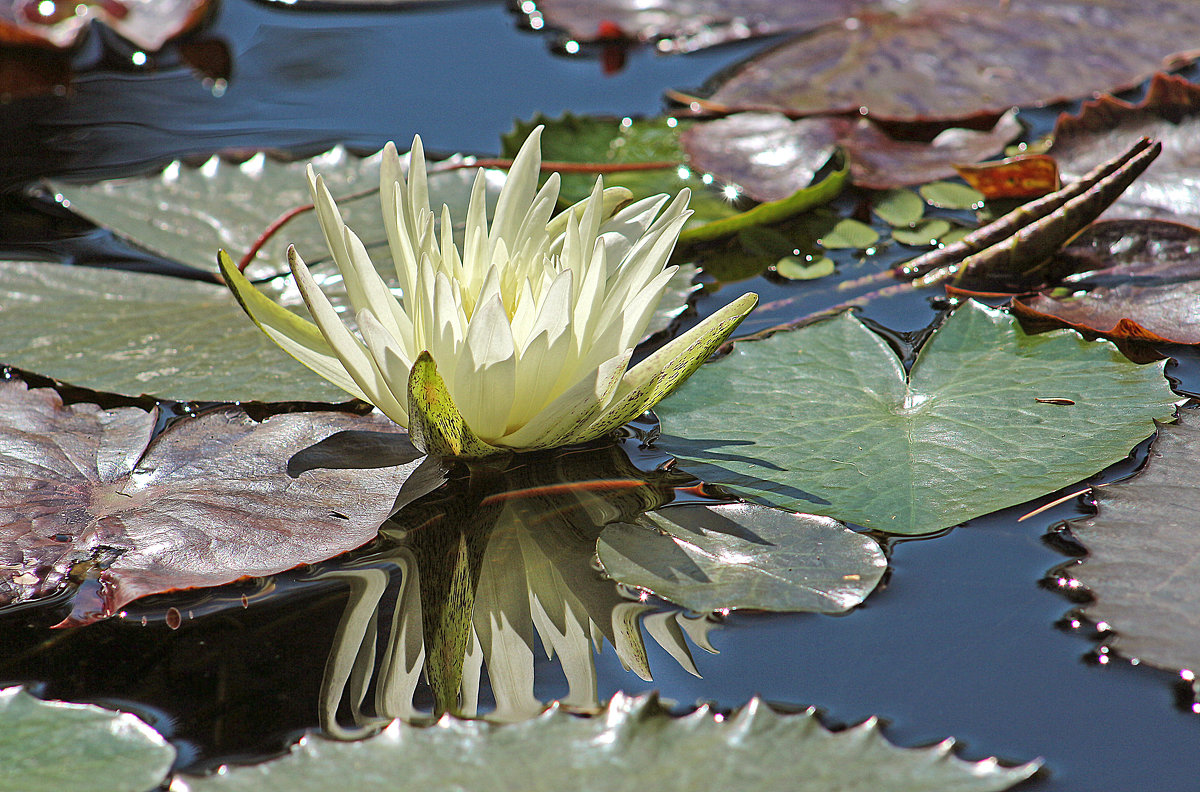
[951, 59]
[1170, 113]
[1140, 282]
[770, 156]
[207, 501]
[683, 26]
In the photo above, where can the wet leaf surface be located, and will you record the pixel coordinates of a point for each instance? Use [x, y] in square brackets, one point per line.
[824, 419]
[771, 156]
[136, 333]
[1139, 280]
[49, 746]
[187, 213]
[210, 499]
[684, 26]
[1169, 113]
[1144, 554]
[634, 743]
[743, 555]
[950, 59]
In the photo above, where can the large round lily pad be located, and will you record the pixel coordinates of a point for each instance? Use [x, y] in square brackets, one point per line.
[946, 59]
[825, 419]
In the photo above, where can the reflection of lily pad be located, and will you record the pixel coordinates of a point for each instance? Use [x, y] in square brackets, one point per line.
[824, 419]
[634, 744]
[50, 746]
[744, 555]
[135, 333]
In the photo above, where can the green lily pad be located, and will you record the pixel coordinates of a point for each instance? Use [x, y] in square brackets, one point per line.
[899, 208]
[926, 232]
[186, 214]
[134, 333]
[744, 555]
[851, 234]
[634, 744]
[825, 420]
[951, 195]
[794, 268]
[49, 746]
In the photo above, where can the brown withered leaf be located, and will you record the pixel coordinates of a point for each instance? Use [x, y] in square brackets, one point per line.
[770, 156]
[1139, 281]
[1023, 176]
[208, 500]
[950, 59]
[1169, 113]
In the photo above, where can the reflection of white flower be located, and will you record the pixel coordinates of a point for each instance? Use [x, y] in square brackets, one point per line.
[520, 340]
[535, 584]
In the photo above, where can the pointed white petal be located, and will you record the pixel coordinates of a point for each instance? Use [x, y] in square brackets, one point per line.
[297, 336]
[349, 350]
[567, 419]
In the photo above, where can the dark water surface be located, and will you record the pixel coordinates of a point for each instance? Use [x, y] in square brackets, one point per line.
[967, 638]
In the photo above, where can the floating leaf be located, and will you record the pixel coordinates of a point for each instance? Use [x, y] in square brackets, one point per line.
[187, 213]
[793, 268]
[825, 419]
[1140, 282]
[927, 232]
[210, 499]
[899, 208]
[633, 744]
[848, 233]
[743, 555]
[770, 155]
[1141, 567]
[681, 26]
[136, 333]
[1025, 176]
[1169, 114]
[50, 746]
[949, 195]
[949, 59]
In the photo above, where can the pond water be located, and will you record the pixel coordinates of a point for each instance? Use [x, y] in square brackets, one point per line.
[968, 638]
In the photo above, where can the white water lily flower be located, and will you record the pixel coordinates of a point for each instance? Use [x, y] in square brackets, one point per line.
[518, 341]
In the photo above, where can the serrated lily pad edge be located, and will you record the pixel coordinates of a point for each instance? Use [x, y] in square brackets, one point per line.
[617, 723]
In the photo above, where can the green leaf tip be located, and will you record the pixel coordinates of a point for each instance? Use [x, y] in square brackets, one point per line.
[435, 424]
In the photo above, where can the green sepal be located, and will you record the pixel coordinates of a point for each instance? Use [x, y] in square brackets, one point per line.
[435, 424]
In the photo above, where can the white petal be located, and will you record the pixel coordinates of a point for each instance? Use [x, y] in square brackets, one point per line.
[351, 351]
[485, 375]
[388, 356]
[567, 418]
[516, 196]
